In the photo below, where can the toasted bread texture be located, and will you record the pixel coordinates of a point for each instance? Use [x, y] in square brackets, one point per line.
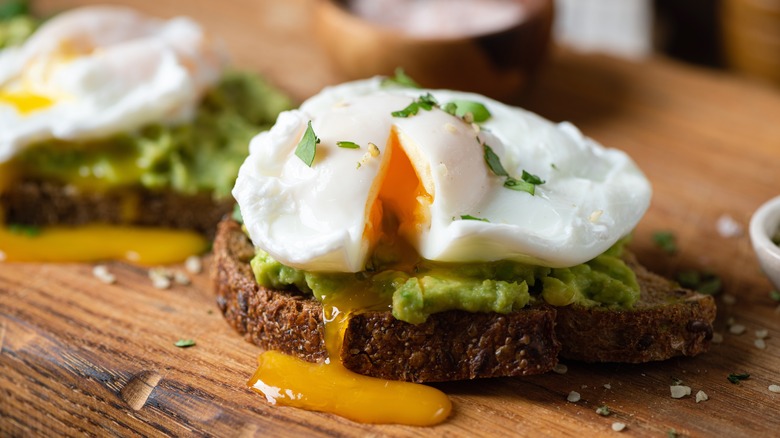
[42, 203]
[457, 345]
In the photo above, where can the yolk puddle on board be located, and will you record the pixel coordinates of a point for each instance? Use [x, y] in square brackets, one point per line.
[330, 387]
[90, 243]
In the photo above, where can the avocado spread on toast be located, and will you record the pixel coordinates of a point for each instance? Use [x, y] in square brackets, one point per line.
[201, 156]
[430, 287]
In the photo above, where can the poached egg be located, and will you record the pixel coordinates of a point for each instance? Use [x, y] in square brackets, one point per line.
[101, 70]
[429, 172]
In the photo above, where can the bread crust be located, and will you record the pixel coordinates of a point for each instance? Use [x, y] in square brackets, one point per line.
[45, 203]
[456, 345]
[451, 345]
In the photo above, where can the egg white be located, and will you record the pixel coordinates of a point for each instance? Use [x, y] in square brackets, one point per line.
[315, 218]
[104, 70]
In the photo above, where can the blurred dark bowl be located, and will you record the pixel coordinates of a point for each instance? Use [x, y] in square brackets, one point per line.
[498, 64]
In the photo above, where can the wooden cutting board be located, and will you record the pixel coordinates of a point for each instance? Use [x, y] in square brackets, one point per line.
[81, 357]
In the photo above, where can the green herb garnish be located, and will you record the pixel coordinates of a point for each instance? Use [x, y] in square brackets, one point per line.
[13, 8]
[460, 108]
[519, 185]
[468, 217]
[603, 410]
[401, 79]
[307, 147]
[775, 295]
[666, 240]
[426, 102]
[528, 181]
[671, 433]
[347, 145]
[493, 162]
[184, 343]
[702, 282]
[24, 230]
[237, 214]
[735, 378]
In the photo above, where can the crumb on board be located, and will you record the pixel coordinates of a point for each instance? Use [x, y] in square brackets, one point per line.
[701, 396]
[618, 426]
[680, 391]
[102, 273]
[560, 368]
[573, 397]
[193, 264]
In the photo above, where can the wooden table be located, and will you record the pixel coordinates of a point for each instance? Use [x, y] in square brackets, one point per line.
[81, 357]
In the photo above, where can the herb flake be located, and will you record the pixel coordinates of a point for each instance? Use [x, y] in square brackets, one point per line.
[307, 147]
[666, 240]
[468, 217]
[775, 295]
[425, 102]
[703, 282]
[460, 108]
[493, 162]
[401, 79]
[24, 230]
[347, 145]
[603, 410]
[735, 378]
[184, 343]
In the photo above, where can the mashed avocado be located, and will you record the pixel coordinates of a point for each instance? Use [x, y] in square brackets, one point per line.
[201, 156]
[431, 287]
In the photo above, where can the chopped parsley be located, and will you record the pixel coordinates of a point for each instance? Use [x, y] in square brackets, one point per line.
[603, 410]
[468, 217]
[703, 282]
[24, 230]
[528, 181]
[426, 102]
[735, 378]
[237, 214]
[401, 79]
[184, 343]
[461, 108]
[666, 240]
[347, 145]
[671, 433]
[307, 147]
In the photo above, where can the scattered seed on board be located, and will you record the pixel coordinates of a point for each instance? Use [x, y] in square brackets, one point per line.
[760, 344]
[701, 396]
[737, 329]
[193, 264]
[181, 278]
[774, 388]
[560, 369]
[680, 391]
[717, 338]
[101, 273]
[618, 426]
[573, 397]
[762, 334]
[161, 278]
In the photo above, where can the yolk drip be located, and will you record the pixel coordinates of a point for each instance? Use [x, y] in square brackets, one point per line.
[89, 243]
[26, 102]
[330, 387]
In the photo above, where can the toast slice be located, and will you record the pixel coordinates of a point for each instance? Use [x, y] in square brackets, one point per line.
[457, 345]
[41, 203]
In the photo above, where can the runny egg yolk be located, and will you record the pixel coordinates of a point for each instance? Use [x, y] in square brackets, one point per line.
[401, 195]
[25, 102]
[90, 243]
[330, 387]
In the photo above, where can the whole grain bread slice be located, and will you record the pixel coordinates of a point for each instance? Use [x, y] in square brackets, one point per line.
[43, 203]
[457, 345]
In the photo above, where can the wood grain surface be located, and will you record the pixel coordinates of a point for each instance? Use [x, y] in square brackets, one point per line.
[79, 357]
